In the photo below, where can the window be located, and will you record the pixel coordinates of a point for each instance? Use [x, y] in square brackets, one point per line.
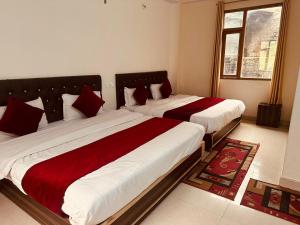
[250, 39]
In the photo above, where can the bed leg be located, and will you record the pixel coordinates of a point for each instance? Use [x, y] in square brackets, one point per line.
[203, 152]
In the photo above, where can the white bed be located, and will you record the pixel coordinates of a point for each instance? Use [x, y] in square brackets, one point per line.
[213, 118]
[98, 195]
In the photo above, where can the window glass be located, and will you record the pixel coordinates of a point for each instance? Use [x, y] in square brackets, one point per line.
[231, 54]
[260, 44]
[233, 20]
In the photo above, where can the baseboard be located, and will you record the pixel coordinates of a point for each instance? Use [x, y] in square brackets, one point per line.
[283, 123]
[250, 118]
[289, 183]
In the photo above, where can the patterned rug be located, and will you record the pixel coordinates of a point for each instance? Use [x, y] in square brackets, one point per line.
[224, 170]
[274, 200]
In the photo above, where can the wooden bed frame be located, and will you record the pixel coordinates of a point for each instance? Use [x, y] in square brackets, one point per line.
[212, 139]
[50, 90]
[131, 80]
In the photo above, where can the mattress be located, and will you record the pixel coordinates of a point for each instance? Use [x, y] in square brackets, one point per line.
[213, 119]
[98, 195]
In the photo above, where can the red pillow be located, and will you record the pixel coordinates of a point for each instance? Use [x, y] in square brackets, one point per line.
[166, 89]
[20, 118]
[88, 102]
[141, 95]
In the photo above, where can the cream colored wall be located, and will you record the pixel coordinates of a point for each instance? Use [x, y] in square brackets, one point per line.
[292, 60]
[174, 44]
[197, 31]
[290, 175]
[73, 37]
[250, 92]
[196, 47]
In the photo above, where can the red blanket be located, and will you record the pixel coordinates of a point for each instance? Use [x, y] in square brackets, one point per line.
[185, 112]
[47, 181]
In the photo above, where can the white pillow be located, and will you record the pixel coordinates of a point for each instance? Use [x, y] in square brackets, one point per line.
[155, 91]
[71, 113]
[38, 103]
[2, 110]
[128, 95]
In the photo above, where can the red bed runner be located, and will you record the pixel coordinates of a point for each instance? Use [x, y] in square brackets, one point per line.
[47, 181]
[185, 112]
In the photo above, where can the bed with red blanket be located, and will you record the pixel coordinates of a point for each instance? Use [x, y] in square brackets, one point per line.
[113, 168]
[91, 169]
[219, 116]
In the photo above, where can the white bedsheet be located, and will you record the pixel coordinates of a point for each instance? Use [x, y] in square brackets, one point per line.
[213, 118]
[98, 195]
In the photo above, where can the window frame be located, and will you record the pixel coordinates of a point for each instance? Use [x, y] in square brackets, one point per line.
[241, 31]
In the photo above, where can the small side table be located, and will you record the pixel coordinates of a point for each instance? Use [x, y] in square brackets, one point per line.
[268, 115]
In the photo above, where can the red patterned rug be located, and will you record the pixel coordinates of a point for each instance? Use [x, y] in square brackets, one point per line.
[273, 199]
[224, 170]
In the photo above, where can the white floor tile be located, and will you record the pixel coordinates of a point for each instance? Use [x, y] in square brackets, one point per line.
[224, 221]
[174, 211]
[246, 216]
[267, 165]
[10, 214]
[201, 199]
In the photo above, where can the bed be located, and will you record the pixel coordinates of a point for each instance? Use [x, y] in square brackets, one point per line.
[218, 120]
[98, 197]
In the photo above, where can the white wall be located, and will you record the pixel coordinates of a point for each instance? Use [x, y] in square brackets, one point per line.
[74, 37]
[291, 167]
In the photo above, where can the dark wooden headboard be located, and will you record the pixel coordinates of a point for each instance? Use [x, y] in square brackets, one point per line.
[131, 80]
[49, 89]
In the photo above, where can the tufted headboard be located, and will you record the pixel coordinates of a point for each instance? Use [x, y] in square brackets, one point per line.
[49, 89]
[131, 80]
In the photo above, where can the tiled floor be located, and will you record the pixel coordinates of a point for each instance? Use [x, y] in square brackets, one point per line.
[187, 205]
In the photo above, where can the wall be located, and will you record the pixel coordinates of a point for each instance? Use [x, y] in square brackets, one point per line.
[73, 37]
[291, 176]
[196, 46]
[197, 33]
